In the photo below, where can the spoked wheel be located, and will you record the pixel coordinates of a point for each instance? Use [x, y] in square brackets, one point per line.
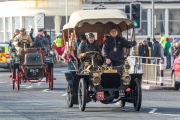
[175, 84]
[137, 94]
[122, 103]
[82, 94]
[17, 79]
[69, 96]
[50, 79]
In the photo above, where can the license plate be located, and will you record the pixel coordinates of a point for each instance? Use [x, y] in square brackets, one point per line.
[121, 93]
[34, 70]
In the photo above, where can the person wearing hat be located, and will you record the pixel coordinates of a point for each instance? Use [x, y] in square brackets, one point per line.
[89, 45]
[12, 47]
[20, 39]
[143, 50]
[41, 40]
[112, 50]
[167, 47]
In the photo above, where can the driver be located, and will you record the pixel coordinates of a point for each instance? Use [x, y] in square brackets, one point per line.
[89, 45]
[19, 39]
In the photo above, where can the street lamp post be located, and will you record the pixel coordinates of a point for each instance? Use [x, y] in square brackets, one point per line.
[66, 11]
[152, 19]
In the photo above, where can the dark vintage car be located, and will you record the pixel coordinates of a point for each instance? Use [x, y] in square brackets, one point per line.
[33, 65]
[107, 84]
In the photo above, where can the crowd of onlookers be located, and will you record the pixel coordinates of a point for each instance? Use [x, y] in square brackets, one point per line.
[159, 49]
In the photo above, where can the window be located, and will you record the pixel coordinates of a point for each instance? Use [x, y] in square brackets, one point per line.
[16, 22]
[1, 29]
[28, 24]
[160, 21]
[174, 22]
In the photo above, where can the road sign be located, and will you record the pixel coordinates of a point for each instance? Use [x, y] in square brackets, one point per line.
[40, 20]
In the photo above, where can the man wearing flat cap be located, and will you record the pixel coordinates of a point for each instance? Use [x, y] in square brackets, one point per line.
[20, 39]
[112, 50]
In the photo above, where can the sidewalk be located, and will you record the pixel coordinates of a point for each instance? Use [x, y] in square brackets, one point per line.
[167, 84]
[59, 64]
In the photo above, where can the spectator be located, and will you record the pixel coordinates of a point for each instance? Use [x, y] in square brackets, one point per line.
[173, 48]
[47, 36]
[168, 56]
[177, 52]
[58, 41]
[163, 40]
[143, 50]
[156, 49]
[31, 34]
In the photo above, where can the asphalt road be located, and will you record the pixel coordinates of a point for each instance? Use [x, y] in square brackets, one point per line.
[35, 102]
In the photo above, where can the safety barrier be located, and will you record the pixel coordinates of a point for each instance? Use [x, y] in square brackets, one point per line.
[152, 67]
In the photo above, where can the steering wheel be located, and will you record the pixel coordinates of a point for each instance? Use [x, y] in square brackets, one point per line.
[24, 41]
[91, 54]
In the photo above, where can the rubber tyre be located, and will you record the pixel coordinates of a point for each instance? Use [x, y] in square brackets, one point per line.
[17, 79]
[50, 77]
[82, 94]
[175, 84]
[138, 95]
[69, 96]
[122, 103]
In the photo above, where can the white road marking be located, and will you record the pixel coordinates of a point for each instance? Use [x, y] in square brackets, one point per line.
[29, 87]
[153, 110]
[45, 90]
[51, 91]
[65, 94]
[167, 114]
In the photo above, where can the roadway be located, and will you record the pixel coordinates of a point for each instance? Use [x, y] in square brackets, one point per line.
[35, 102]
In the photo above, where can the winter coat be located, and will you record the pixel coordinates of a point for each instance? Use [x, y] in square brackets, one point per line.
[173, 48]
[167, 47]
[109, 45]
[156, 49]
[41, 42]
[143, 50]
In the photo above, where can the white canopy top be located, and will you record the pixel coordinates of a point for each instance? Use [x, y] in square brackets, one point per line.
[93, 16]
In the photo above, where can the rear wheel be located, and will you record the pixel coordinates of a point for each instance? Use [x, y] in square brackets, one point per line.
[69, 96]
[17, 79]
[137, 95]
[82, 94]
[50, 79]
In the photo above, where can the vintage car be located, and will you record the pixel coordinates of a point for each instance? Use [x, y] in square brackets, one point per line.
[107, 84]
[33, 66]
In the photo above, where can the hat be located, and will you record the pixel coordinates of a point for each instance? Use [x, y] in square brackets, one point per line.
[144, 40]
[82, 37]
[167, 39]
[22, 29]
[40, 30]
[113, 27]
[90, 35]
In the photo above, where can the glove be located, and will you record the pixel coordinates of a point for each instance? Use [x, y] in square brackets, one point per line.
[134, 43]
[82, 55]
[28, 45]
[19, 43]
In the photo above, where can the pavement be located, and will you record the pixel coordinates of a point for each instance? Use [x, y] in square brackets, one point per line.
[167, 85]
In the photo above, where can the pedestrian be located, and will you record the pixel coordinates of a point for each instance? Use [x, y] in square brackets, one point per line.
[163, 40]
[167, 53]
[47, 36]
[173, 48]
[31, 34]
[143, 50]
[156, 49]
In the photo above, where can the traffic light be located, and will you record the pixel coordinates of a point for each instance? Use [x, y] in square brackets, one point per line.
[135, 14]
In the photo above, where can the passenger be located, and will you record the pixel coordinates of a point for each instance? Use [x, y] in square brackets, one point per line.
[89, 45]
[113, 48]
[12, 47]
[106, 36]
[18, 43]
[41, 40]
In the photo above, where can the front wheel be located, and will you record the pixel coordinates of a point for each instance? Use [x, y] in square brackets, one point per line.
[82, 94]
[17, 79]
[175, 84]
[69, 96]
[137, 95]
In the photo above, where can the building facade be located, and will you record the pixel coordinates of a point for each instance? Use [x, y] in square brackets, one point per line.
[16, 14]
[167, 13]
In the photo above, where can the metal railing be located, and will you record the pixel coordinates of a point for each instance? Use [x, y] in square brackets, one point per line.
[150, 68]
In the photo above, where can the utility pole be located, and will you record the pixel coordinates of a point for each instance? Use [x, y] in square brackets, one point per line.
[152, 19]
[66, 11]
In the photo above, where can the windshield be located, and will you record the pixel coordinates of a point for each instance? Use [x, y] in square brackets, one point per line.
[1, 49]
